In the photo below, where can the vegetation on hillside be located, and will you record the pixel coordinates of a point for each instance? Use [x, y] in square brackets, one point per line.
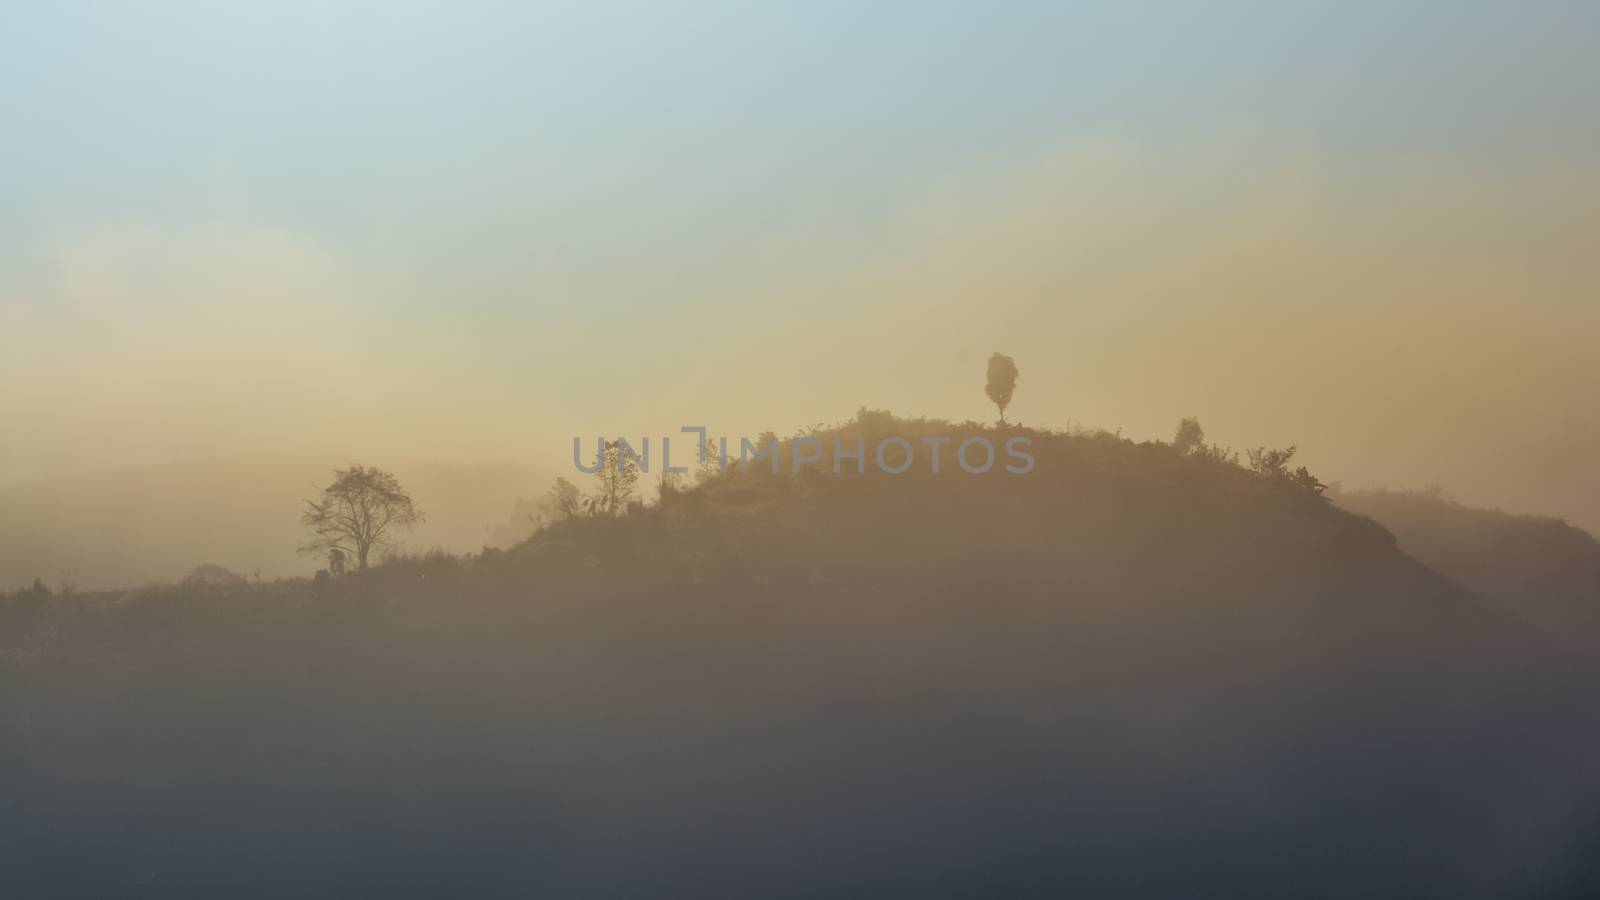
[1134, 668]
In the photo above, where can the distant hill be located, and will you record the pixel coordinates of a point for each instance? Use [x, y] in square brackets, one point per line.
[1539, 569]
[1551, 473]
[1125, 673]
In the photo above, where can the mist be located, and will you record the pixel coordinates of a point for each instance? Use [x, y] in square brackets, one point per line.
[1405, 325]
[127, 527]
[305, 303]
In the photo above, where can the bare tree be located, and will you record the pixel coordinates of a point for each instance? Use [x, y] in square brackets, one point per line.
[361, 509]
[1002, 382]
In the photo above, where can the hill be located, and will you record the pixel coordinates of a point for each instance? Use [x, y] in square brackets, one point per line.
[1123, 673]
[1539, 569]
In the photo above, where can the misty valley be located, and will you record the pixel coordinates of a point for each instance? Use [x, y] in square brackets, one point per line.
[1142, 666]
[428, 467]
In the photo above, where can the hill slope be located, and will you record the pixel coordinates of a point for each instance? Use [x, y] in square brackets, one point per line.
[1539, 569]
[1123, 673]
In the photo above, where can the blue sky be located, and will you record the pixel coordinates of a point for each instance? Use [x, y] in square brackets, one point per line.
[457, 135]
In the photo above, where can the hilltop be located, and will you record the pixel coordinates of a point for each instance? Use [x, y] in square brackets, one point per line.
[1125, 672]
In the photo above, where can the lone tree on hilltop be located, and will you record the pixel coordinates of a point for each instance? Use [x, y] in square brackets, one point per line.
[362, 509]
[1190, 441]
[1002, 382]
[1190, 438]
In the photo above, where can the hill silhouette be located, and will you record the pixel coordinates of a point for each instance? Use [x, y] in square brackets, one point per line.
[1537, 568]
[1126, 672]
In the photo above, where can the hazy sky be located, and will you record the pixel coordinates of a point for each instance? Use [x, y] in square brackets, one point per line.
[469, 231]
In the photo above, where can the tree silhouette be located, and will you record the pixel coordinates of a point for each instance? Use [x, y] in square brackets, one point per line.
[361, 509]
[708, 463]
[208, 574]
[1190, 441]
[564, 499]
[1190, 438]
[1002, 382]
[1271, 463]
[1275, 464]
[616, 483]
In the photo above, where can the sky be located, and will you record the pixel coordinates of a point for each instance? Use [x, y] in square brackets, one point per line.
[471, 231]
